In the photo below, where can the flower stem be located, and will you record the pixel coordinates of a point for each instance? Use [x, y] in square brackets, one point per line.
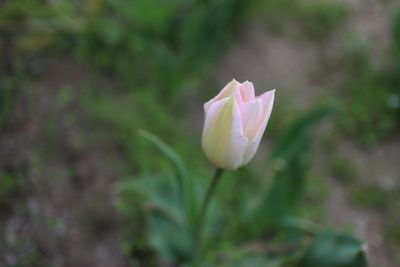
[203, 212]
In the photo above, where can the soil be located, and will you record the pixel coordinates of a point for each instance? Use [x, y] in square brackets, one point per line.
[63, 214]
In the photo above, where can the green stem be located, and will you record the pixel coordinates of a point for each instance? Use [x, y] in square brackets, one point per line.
[203, 212]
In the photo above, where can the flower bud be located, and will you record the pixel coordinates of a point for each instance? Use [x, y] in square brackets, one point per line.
[235, 121]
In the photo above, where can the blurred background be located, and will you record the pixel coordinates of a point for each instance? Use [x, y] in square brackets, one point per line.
[79, 78]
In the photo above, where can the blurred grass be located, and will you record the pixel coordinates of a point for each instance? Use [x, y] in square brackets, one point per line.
[164, 45]
[370, 111]
[370, 196]
[315, 20]
[156, 52]
[9, 183]
[171, 49]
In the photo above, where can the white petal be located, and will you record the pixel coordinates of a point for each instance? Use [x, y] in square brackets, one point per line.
[223, 141]
[227, 91]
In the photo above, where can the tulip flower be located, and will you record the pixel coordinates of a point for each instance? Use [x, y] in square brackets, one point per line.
[235, 121]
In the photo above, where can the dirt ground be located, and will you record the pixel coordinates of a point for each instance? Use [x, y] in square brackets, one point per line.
[48, 224]
[276, 61]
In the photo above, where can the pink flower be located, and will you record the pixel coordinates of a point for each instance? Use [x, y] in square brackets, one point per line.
[235, 121]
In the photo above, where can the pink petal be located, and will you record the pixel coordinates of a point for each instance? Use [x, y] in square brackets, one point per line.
[247, 91]
[250, 113]
[267, 102]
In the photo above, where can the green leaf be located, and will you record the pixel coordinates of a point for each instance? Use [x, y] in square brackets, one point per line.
[162, 213]
[168, 205]
[184, 181]
[168, 152]
[291, 158]
[331, 249]
[253, 261]
[8, 185]
[173, 242]
[160, 197]
[291, 140]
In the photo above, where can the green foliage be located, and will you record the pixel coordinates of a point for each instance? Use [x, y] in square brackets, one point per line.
[156, 49]
[391, 223]
[331, 249]
[392, 236]
[273, 15]
[21, 37]
[290, 158]
[321, 18]
[6, 104]
[123, 114]
[168, 231]
[370, 100]
[164, 44]
[258, 257]
[285, 112]
[316, 20]
[185, 184]
[170, 206]
[167, 45]
[8, 185]
[29, 26]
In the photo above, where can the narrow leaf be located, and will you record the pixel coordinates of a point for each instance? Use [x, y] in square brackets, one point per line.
[331, 249]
